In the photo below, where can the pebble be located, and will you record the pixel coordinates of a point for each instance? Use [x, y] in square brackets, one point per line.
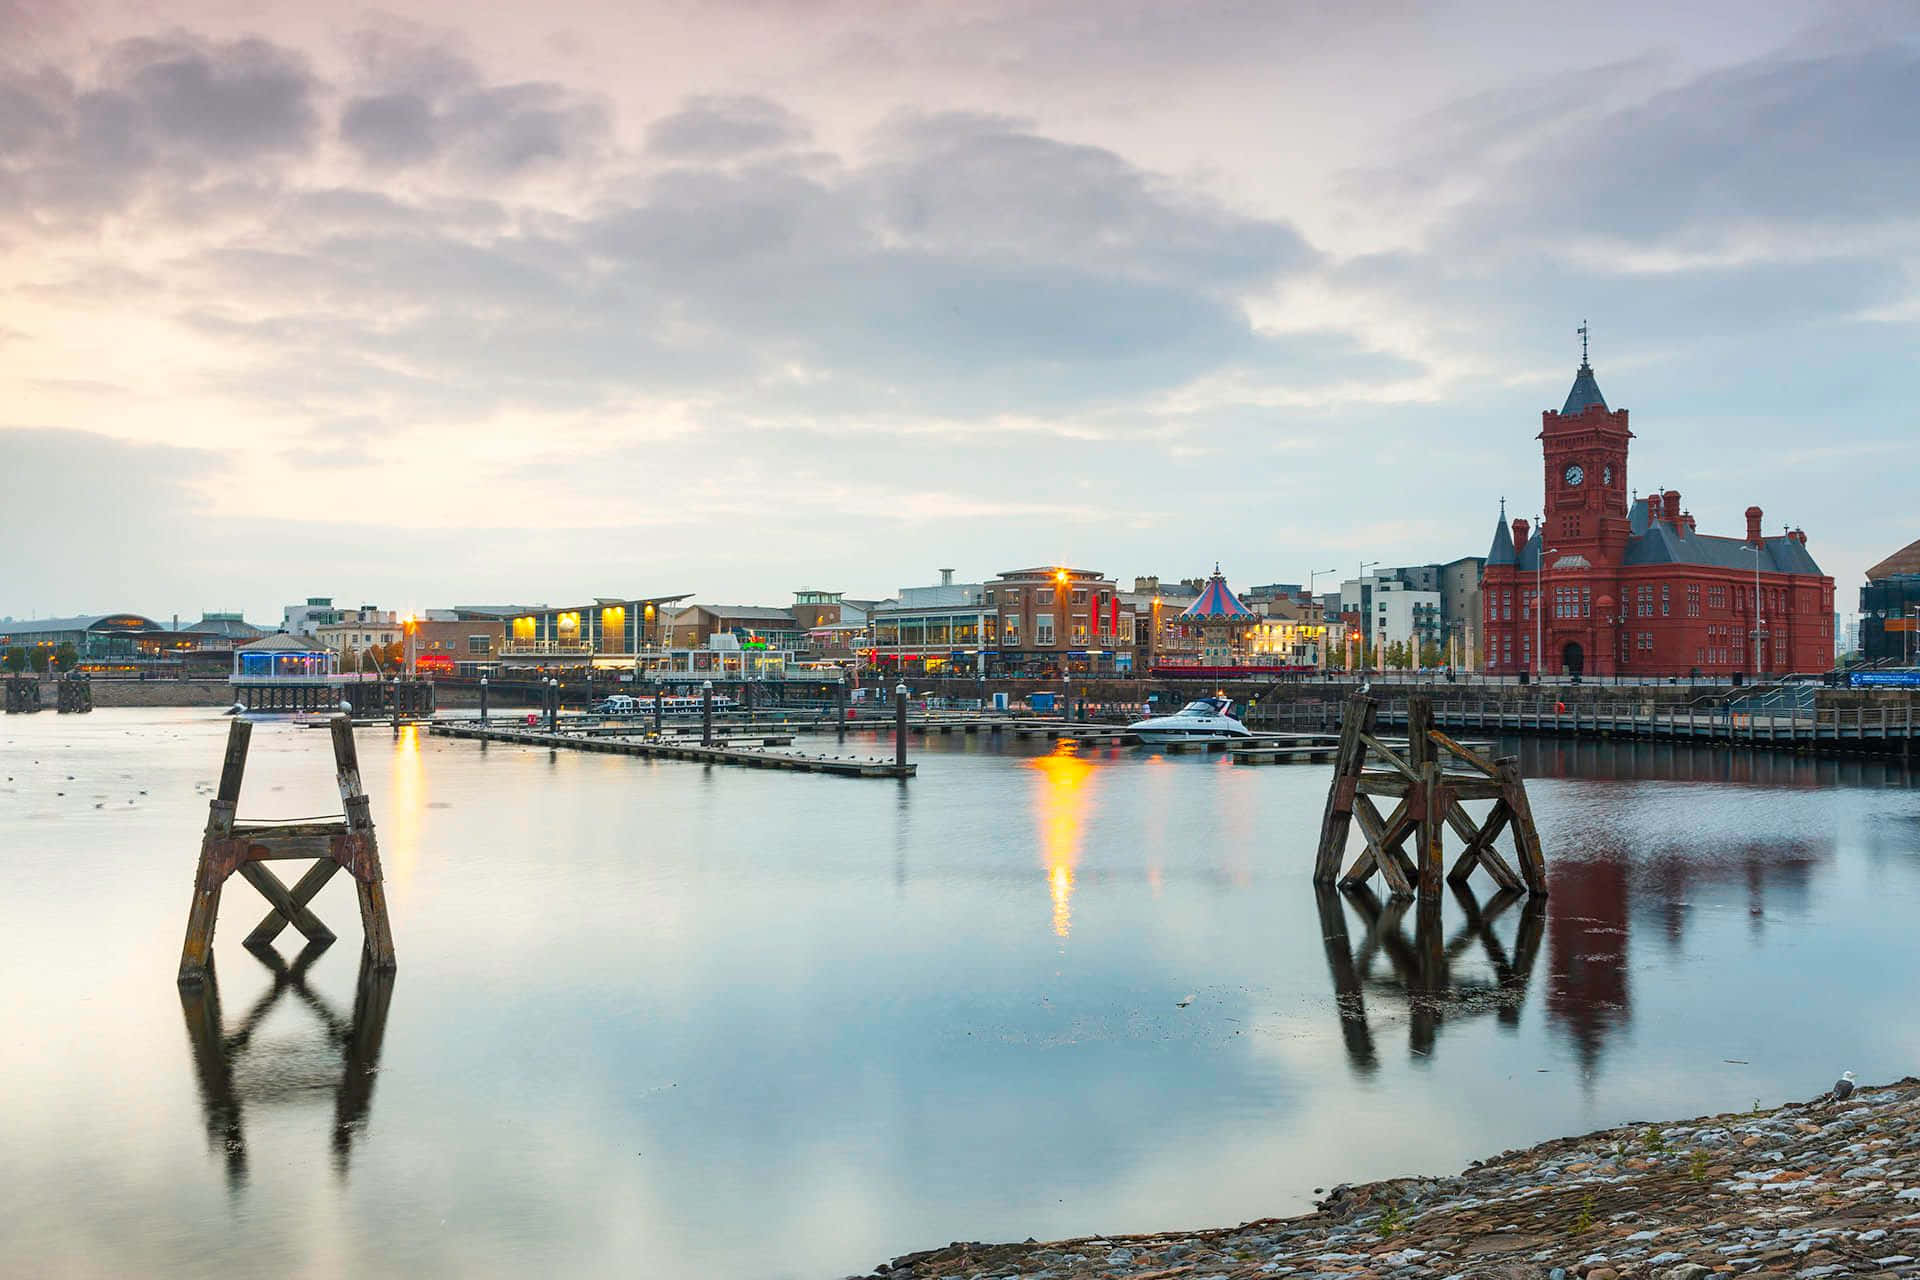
[1806, 1190]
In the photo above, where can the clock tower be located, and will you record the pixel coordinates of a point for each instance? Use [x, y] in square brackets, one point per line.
[1584, 447]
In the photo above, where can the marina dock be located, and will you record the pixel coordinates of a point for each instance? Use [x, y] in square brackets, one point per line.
[756, 757]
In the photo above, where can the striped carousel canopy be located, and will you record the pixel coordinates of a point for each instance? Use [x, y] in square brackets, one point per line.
[1217, 604]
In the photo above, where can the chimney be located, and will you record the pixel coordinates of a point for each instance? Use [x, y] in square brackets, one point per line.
[1753, 526]
[1671, 500]
[1519, 532]
[946, 577]
[1687, 518]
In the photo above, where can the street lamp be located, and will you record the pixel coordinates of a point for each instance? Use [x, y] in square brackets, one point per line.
[1313, 602]
[1540, 604]
[1366, 614]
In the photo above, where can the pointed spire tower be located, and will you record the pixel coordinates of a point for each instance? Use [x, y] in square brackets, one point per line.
[1502, 550]
[1586, 392]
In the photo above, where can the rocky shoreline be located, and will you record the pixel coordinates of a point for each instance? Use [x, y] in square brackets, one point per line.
[1809, 1190]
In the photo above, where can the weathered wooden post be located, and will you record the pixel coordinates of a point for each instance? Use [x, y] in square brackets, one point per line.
[1349, 760]
[553, 704]
[840, 710]
[706, 713]
[483, 701]
[659, 706]
[228, 847]
[900, 725]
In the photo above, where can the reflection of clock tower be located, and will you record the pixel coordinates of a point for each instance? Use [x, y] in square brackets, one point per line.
[1585, 448]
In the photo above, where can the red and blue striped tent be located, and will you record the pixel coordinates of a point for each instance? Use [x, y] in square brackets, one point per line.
[1217, 603]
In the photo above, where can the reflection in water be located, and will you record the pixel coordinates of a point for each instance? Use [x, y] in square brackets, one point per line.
[406, 798]
[219, 1053]
[1597, 759]
[1423, 970]
[1060, 802]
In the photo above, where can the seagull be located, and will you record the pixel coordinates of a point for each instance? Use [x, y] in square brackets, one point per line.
[1181, 1004]
[1843, 1087]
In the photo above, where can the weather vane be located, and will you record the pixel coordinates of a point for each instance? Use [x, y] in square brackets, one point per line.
[1582, 331]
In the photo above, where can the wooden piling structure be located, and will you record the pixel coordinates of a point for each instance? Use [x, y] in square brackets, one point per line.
[1428, 782]
[73, 696]
[230, 847]
[23, 695]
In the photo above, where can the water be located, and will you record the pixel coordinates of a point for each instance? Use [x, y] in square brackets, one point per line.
[684, 1021]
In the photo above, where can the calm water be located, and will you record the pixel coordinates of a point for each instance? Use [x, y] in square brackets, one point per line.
[683, 1021]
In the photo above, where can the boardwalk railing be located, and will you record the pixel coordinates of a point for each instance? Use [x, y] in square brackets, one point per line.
[1885, 727]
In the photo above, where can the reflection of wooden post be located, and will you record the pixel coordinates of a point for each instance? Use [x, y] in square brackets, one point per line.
[1349, 761]
[1349, 999]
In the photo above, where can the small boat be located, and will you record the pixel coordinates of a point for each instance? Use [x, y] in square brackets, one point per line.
[1201, 719]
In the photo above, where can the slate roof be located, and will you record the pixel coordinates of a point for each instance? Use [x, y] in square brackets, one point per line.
[1664, 544]
[1502, 550]
[1585, 393]
[281, 642]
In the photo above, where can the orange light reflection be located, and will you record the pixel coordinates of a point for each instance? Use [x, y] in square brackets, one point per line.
[1065, 789]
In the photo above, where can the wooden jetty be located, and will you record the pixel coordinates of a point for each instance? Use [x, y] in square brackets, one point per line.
[675, 749]
[1429, 779]
[73, 696]
[230, 846]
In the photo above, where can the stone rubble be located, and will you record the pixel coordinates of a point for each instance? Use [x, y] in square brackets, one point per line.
[1808, 1190]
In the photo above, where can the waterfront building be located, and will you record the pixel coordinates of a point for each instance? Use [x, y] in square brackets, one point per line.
[1406, 617]
[1059, 620]
[1156, 606]
[306, 619]
[692, 626]
[450, 645]
[1890, 609]
[941, 628]
[354, 631]
[1619, 584]
[105, 643]
[610, 632]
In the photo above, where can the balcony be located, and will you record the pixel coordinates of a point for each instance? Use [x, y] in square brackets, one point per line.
[545, 649]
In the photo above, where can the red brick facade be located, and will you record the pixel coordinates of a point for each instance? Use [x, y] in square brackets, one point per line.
[1630, 587]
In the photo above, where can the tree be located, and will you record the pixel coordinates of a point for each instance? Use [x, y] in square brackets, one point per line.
[66, 657]
[41, 657]
[15, 660]
[1398, 655]
[1431, 655]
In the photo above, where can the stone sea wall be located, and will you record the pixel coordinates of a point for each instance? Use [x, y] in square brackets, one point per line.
[1809, 1190]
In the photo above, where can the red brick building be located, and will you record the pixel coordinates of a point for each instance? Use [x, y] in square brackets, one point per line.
[1629, 587]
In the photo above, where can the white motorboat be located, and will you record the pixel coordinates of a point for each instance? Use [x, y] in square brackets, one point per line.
[1203, 718]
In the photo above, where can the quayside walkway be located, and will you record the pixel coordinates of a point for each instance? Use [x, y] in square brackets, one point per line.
[1877, 730]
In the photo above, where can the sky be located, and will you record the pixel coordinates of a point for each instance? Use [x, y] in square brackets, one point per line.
[440, 303]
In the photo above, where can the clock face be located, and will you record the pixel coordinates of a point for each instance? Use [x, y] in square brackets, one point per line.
[1575, 474]
[1606, 475]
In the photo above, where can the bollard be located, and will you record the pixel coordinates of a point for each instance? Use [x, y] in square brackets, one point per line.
[483, 701]
[900, 724]
[706, 713]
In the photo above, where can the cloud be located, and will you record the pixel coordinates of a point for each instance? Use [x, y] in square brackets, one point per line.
[236, 99]
[712, 127]
[389, 129]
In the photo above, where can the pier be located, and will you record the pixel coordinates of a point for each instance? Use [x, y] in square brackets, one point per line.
[671, 748]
